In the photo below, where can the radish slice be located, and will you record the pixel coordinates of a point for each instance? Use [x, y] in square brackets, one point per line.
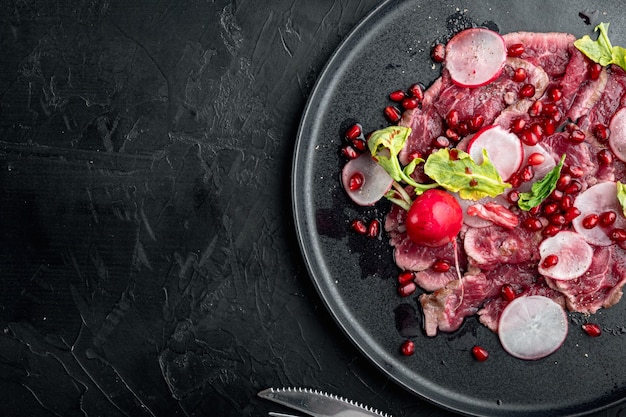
[540, 170]
[475, 57]
[596, 200]
[617, 138]
[376, 181]
[532, 327]
[574, 256]
[503, 147]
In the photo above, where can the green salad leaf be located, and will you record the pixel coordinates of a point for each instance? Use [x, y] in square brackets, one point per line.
[541, 189]
[456, 171]
[601, 50]
[621, 195]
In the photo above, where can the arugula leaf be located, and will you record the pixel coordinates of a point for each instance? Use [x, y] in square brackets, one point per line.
[621, 195]
[541, 189]
[456, 171]
[601, 50]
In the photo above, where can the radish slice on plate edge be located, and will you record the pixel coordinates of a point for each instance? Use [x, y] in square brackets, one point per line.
[376, 181]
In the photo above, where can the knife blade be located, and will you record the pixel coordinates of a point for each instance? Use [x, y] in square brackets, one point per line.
[319, 404]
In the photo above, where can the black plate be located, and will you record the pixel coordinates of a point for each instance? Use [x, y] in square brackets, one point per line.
[355, 276]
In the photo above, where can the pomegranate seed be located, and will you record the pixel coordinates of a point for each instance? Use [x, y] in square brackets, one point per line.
[414, 155]
[441, 142]
[618, 235]
[349, 152]
[373, 230]
[417, 91]
[515, 50]
[601, 132]
[410, 103]
[537, 130]
[550, 208]
[557, 219]
[359, 145]
[527, 91]
[518, 125]
[529, 138]
[452, 135]
[532, 223]
[590, 221]
[555, 93]
[536, 158]
[463, 128]
[549, 126]
[592, 329]
[535, 109]
[515, 180]
[454, 155]
[453, 118]
[556, 195]
[576, 172]
[550, 110]
[607, 218]
[527, 173]
[535, 210]
[441, 266]
[574, 187]
[550, 230]
[570, 214]
[594, 71]
[480, 353]
[438, 53]
[513, 196]
[359, 226]
[356, 181]
[563, 182]
[407, 348]
[519, 75]
[605, 157]
[354, 132]
[476, 122]
[570, 127]
[473, 182]
[407, 289]
[405, 277]
[577, 136]
[508, 293]
[566, 202]
[550, 261]
[392, 114]
[397, 95]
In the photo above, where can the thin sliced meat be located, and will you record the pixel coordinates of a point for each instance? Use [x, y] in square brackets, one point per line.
[489, 247]
[587, 96]
[432, 281]
[495, 213]
[551, 51]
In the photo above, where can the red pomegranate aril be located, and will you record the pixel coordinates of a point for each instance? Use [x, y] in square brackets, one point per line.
[410, 103]
[414, 155]
[618, 235]
[550, 261]
[518, 125]
[574, 187]
[441, 265]
[527, 173]
[555, 93]
[349, 152]
[405, 277]
[556, 195]
[397, 95]
[550, 109]
[515, 50]
[570, 214]
[407, 348]
[576, 171]
[480, 353]
[592, 329]
[563, 182]
[453, 118]
[392, 114]
[476, 122]
[577, 136]
[557, 219]
[508, 293]
[535, 210]
[441, 142]
[532, 223]
[601, 132]
[550, 230]
[359, 226]
[354, 132]
[463, 128]
[594, 71]
[452, 134]
[416, 91]
[566, 202]
[549, 126]
[407, 289]
[550, 208]
[535, 109]
[607, 218]
[438, 53]
[519, 75]
[515, 180]
[373, 230]
[537, 130]
[536, 158]
[529, 138]
[359, 144]
[570, 127]
[605, 157]
[527, 91]
[590, 221]
[513, 196]
[356, 181]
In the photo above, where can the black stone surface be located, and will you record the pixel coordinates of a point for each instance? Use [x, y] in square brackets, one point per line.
[149, 263]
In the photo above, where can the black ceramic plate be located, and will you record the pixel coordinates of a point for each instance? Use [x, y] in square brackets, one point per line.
[355, 276]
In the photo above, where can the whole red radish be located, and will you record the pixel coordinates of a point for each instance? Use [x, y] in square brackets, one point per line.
[434, 219]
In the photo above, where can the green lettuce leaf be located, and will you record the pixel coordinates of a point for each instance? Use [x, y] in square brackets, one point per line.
[456, 171]
[541, 189]
[621, 196]
[601, 50]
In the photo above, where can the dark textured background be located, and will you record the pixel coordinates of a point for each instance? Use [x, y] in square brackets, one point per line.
[149, 265]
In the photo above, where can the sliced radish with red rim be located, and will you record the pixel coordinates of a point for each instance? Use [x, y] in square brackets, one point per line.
[375, 181]
[565, 256]
[598, 199]
[532, 327]
[475, 57]
[617, 137]
[504, 149]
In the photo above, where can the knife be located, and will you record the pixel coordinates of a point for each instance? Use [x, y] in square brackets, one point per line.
[319, 404]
